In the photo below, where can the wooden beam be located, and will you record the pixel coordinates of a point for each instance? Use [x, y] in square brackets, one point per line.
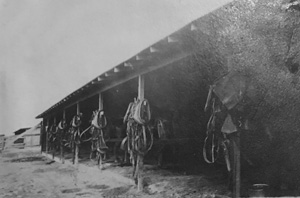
[64, 114]
[153, 49]
[236, 165]
[141, 87]
[171, 40]
[116, 70]
[134, 73]
[100, 78]
[193, 27]
[76, 145]
[100, 101]
[77, 108]
[128, 64]
[140, 161]
[47, 138]
[138, 57]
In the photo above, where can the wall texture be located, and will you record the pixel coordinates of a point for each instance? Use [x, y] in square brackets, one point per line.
[261, 40]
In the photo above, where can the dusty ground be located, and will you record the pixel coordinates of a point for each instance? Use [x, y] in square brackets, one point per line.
[27, 173]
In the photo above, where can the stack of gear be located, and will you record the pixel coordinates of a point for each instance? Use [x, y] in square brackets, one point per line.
[99, 122]
[139, 136]
[75, 124]
[62, 126]
[52, 135]
[223, 99]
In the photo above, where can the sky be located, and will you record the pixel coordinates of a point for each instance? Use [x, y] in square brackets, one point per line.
[50, 48]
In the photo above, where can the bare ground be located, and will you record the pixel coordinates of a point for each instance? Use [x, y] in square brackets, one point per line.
[27, 173]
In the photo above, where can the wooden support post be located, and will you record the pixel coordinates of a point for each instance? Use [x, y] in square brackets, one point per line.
[76, 145]
[47, 138]
[141, 88]
[54, 143]
[100, 101]
[62, 151]
[236, 165]
[140, 158]
[140, 167]
[42, 134]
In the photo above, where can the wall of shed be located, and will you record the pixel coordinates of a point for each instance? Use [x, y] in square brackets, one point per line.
[259, 39]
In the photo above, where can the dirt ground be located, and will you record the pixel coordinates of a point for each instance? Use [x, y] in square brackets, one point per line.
[28, 173]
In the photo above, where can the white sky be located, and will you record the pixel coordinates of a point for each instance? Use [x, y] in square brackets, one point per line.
[49, 48]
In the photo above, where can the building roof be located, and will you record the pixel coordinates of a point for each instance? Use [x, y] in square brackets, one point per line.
[21, 130]
[172, 48]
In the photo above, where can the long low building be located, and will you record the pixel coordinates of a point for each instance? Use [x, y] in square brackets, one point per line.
[255, 39]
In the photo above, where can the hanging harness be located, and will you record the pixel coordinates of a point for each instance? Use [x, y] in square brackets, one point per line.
[222, 97]
[61, 128]
[98, 123]
[75, 124]
[139, 136]
[162, 134]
